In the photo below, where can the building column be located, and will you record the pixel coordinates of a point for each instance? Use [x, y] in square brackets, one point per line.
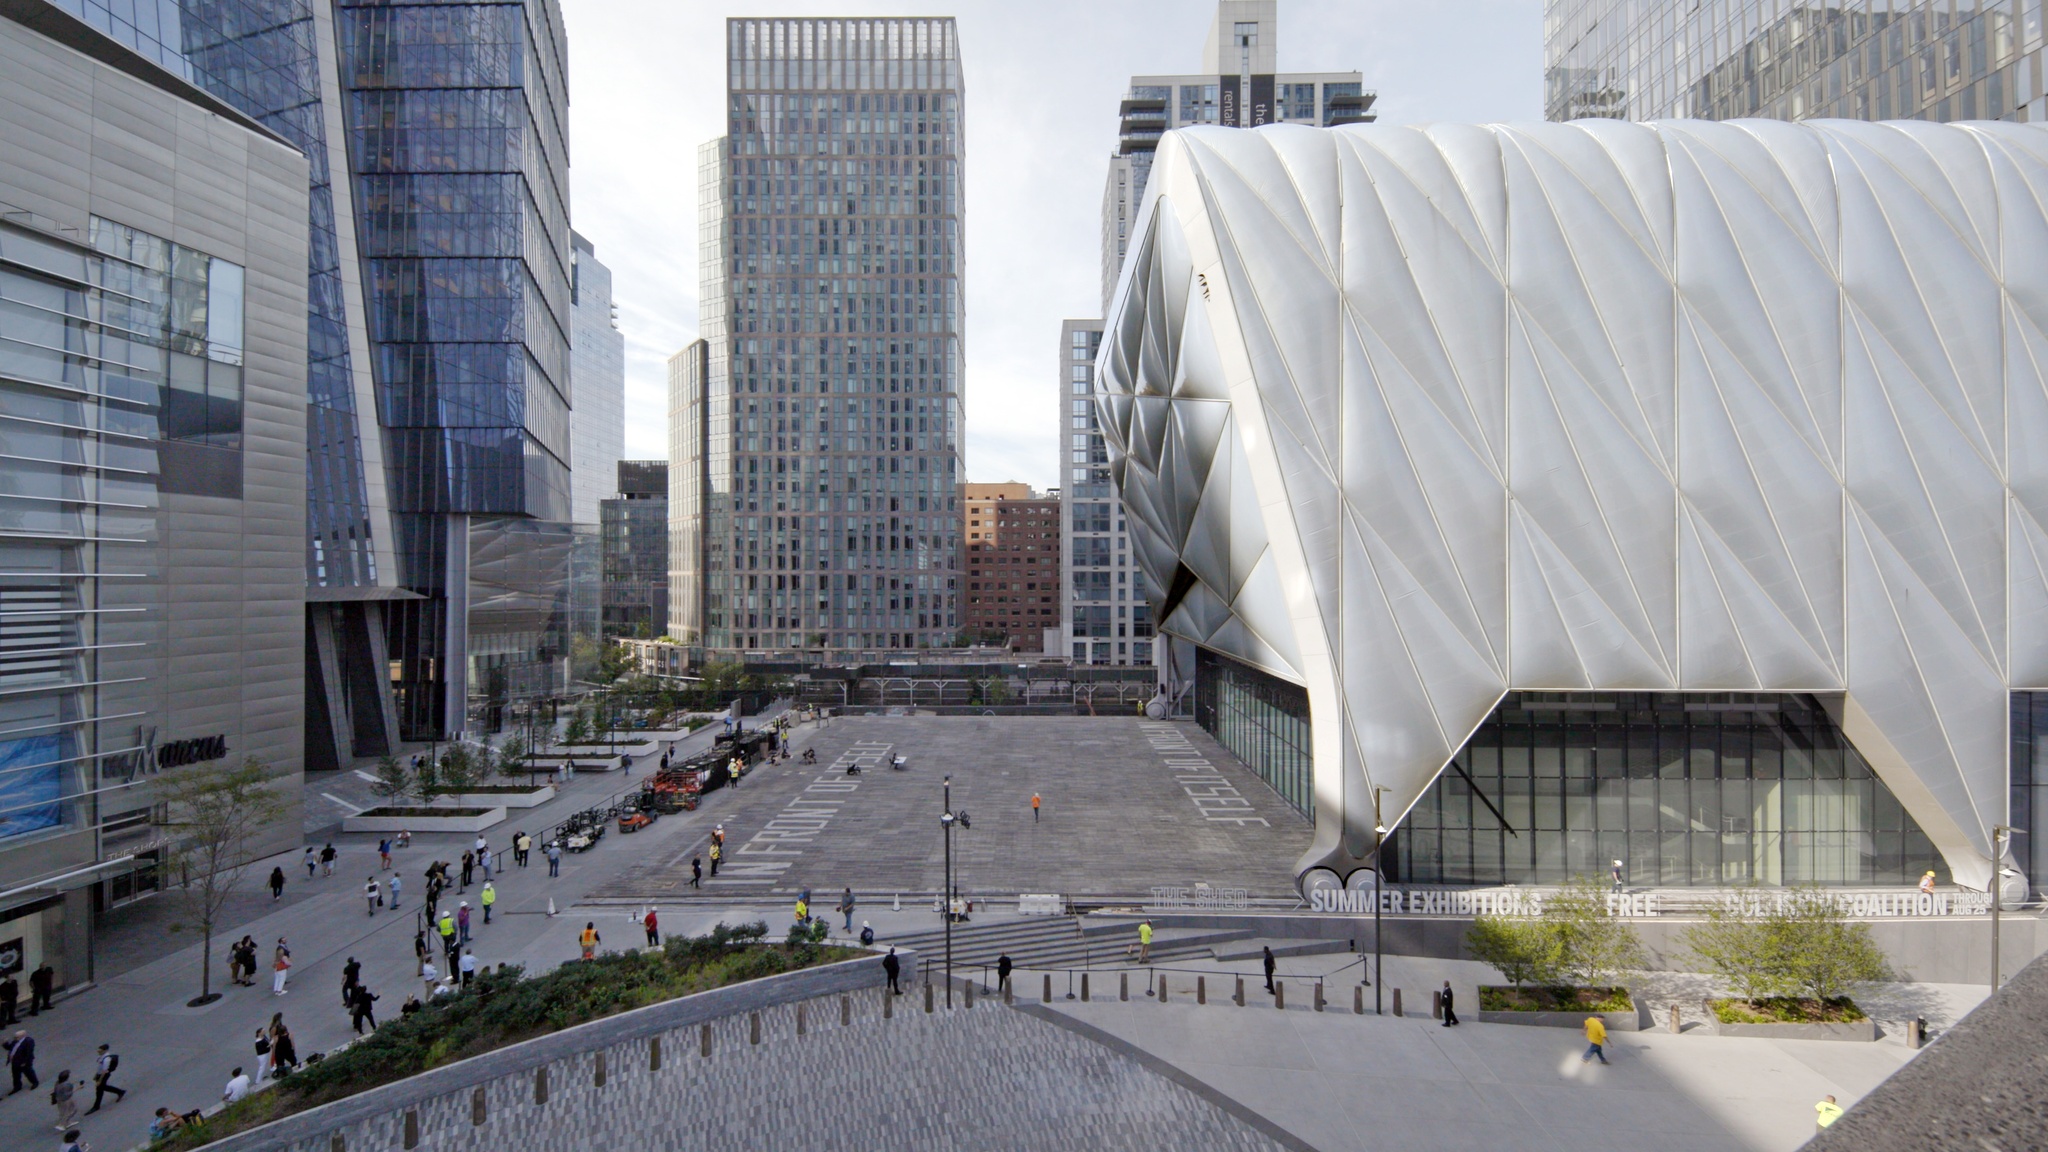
[373, 717]
[326, 699]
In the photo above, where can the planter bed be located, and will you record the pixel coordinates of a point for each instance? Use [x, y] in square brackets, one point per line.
[1838, 1019]
[584, 763]
[498, 796]
[423, 819]
[1552, 1007]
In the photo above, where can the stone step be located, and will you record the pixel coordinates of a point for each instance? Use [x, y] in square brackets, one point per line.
[1251, 949]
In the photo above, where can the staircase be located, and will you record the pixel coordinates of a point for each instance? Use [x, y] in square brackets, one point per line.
[1058, 942]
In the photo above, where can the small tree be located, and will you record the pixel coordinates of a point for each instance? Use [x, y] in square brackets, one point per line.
[427, 781]
[512, 757]
[394, 780]
[1522, 949]
[1733, 944]
[462, 768]
[1593, 944]
[1816, 948]
[578, 731]
[207, 814]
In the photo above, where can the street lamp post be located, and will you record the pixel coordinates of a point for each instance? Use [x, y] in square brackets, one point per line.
[2000, 835]
[946, 821]
[1379, 874]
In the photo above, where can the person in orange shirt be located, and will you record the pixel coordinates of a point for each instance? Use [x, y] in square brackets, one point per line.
[589, 939]
[1034, 807]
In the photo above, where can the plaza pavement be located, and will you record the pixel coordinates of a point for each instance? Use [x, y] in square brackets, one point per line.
[1332, 1080]
[1126, 805]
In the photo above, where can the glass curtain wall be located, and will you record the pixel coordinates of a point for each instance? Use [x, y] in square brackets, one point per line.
[1686, 789]
[1262, 719]
[2029, 768]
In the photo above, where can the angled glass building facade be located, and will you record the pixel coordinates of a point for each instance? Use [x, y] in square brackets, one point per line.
[833, 307]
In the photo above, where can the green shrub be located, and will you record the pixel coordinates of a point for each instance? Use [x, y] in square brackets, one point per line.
[1800, 942]
[1549, 999]
[504, 1006]
[1574, 941]
[1787, 1010]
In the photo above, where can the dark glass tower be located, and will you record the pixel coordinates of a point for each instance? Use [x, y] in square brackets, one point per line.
[457, 139]
[832, 303]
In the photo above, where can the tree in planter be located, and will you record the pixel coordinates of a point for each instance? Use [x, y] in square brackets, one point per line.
[578, 731]
[1820, 951]
[1802, 944]
[207, 814]
[1593, 945]
[462, 768]
[512, 758]
[394, 780]
[1524, 950]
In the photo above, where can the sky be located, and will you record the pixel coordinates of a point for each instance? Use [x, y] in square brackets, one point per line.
[1043, 78]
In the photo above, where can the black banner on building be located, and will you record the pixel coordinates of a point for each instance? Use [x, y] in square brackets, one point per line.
[1227, 106]
[1262, 100]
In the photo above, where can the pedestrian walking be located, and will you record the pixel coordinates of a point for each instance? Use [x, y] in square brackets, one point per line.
[1827, 1111]
[462, 921]
[482, 846]
[74, 1141]
[428, 977]
[1268, 962]
[1450, 1012]
[277, 879]
[283, 1052]
[327, 856]
[893, 968]
[483, 861]
[716, 854]
[41, 983]
[61, 1095]
[280, 964]
[1144, 941]
[1003, 967]
[384, 853]
[262, 1046]
[397, 886]
[1615, 871]
[652, 923]
[10, 995]
[351, 978]
[468, 870]
[522, 847]
[360, 1008]
[696, 871]
[1596, 1039]
[21, 1061]
[373, 896]
[103, 1079]
[846, 906]
[803, 910]
[245, 957]
[420, 952]
[555, 858]
[311, 860]
[488, 897]
[468, 967]
[1034, 807]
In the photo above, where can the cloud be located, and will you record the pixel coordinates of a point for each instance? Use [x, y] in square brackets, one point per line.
[647, 87]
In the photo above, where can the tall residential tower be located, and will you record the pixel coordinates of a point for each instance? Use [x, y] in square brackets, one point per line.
[831, 308]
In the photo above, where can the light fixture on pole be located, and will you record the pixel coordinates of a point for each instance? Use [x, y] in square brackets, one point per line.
[946, 907]
[2000, 836]
[1379, 872]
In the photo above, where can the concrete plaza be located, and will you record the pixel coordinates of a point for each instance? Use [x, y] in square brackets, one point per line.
[1125, 805]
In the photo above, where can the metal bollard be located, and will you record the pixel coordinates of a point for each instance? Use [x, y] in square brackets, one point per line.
[1045, 992]
[970, 994]
[1674, 1020]
[1358, 999]
[1201, 989]
[654, 1054]
[1436, 1005]
[1319, 995]
[1123, 986]
[927, 997]
[845, 1010]
[1280, 994]
[1084, 987]
[1397, 1000]
[753, 1032]
[1162, 987]
[799, 1018]
[705, 1046]
[1238, 997]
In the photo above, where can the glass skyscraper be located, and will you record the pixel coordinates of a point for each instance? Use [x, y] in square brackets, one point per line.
[1852, 59]
[831, 263]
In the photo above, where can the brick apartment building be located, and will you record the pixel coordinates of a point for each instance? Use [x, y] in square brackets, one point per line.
[1012, 540]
